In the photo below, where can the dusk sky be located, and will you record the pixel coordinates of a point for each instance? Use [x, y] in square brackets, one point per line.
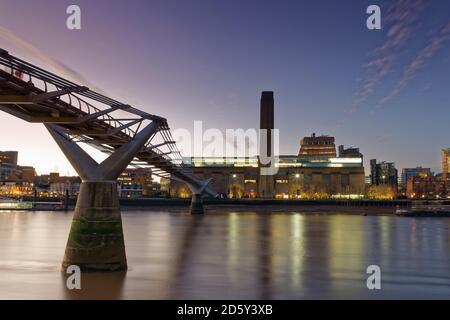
[384, 91]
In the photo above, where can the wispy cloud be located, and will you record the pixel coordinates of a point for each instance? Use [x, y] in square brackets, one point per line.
[49, 62]
[399, 19]
[419, 61]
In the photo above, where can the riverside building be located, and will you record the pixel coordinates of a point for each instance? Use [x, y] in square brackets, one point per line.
[315, 173]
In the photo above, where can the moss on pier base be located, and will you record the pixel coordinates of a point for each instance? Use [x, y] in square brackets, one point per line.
[96, 240]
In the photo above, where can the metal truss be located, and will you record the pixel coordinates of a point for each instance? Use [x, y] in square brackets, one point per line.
[85, 116]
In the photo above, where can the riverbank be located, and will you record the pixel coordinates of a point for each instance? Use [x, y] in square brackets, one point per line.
[358, 207]
[362, 207]
[269, 209]
[143, 202]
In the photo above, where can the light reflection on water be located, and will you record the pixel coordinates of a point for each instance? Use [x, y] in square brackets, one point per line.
[235, 256]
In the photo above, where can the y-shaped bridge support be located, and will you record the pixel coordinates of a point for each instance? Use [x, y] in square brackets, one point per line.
[197, 192]
[96, 237]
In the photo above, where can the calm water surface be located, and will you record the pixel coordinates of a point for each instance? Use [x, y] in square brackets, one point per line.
[226, 255]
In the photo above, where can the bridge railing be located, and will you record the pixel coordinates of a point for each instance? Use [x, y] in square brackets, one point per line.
[87, 101]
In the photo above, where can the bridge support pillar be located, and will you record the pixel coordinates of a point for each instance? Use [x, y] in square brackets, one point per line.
[96, 241]
[197, 199]
[197, 204]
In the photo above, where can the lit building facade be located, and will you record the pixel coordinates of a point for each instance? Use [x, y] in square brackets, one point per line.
[349, 152]
[135, 183]
[9, 157]
[297, 177]
[8, 171]
[11, 172]
[408, 173]
[383, 173]
[445, 157]
[16, 189]
[71, 185]
[317, 146]
[425, 186]
[59, 185]
[15, 180]
[8, 165]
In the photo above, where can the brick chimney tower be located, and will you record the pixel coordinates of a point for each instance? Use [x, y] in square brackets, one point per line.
[266, 184]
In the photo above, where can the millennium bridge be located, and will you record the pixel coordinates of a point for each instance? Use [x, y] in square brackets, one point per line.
[74, 114]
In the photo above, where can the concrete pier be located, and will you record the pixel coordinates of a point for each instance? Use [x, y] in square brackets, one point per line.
[96, 241]
[197, 204]
[197, 196]
[96, 237]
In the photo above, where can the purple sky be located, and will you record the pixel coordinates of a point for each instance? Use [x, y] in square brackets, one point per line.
[385, 91]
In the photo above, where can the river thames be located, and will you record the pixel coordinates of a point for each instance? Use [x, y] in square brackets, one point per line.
[235, 255]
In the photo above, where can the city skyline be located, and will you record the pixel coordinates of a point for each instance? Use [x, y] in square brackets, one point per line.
[377, 86]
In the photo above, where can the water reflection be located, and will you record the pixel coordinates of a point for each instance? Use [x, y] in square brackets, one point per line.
[237, 255]
[105, 286]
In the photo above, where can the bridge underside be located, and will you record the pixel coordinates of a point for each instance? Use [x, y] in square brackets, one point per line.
[74, 114]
